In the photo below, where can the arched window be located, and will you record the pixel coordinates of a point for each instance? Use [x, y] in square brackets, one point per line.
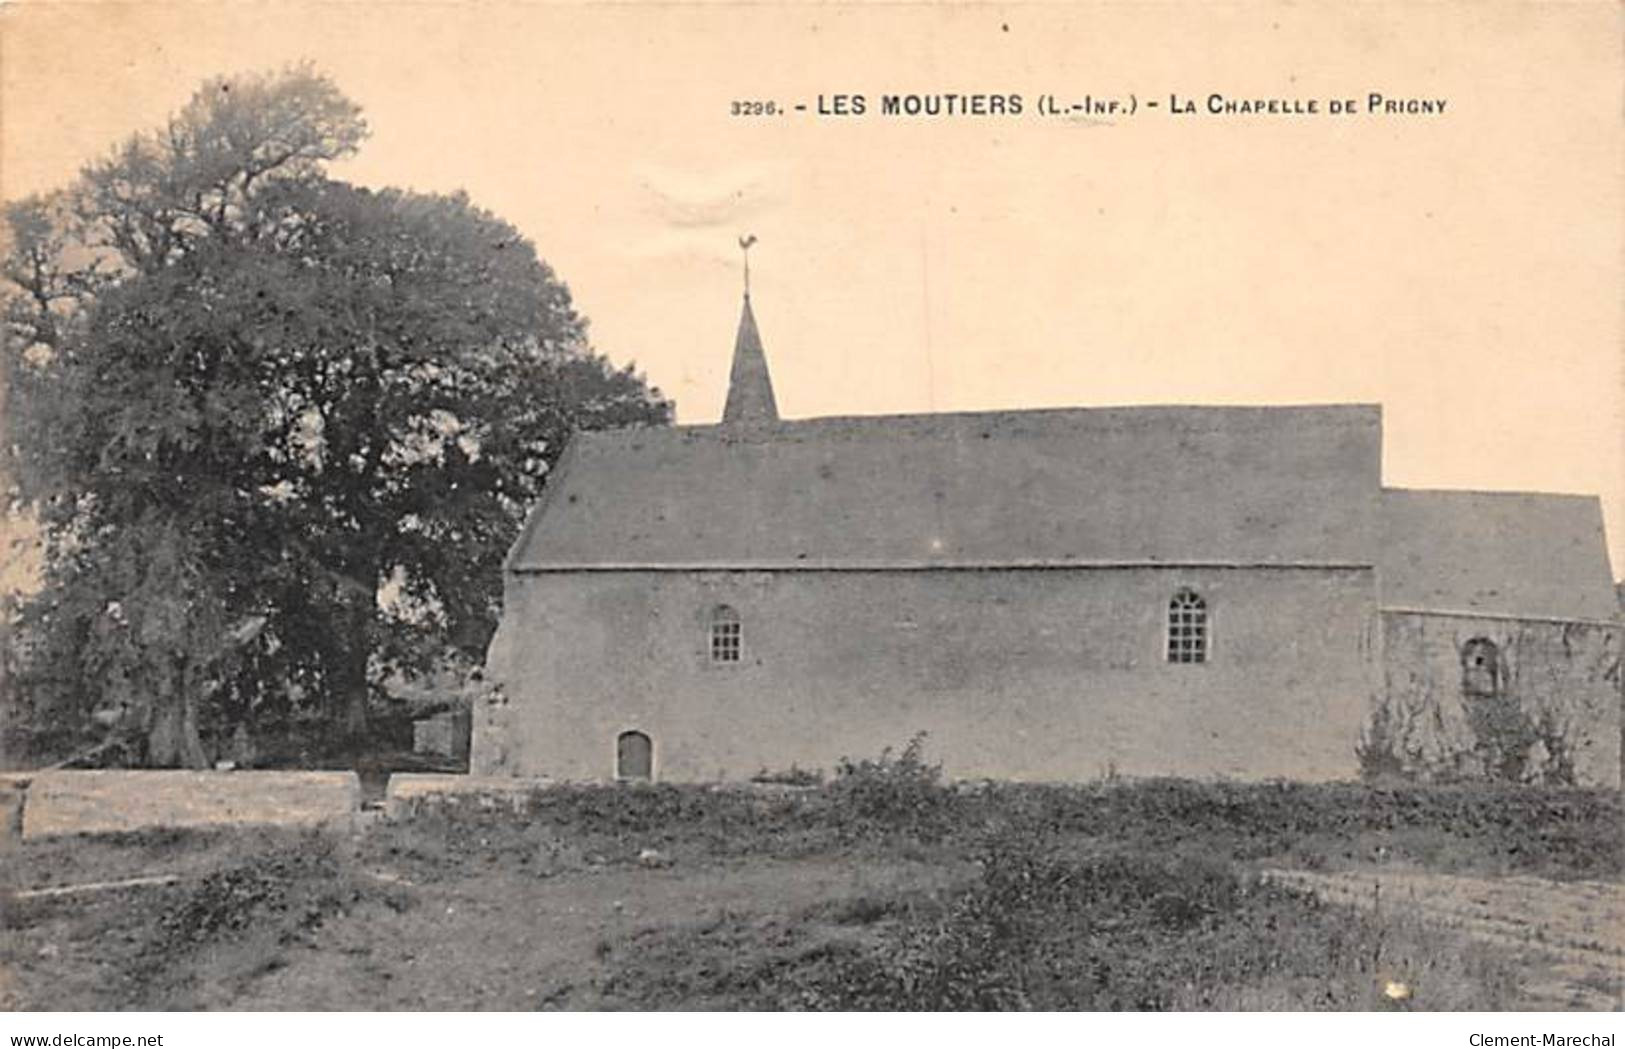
[1480, 668]
[634, 756]
[1187, 628]
[726, 635]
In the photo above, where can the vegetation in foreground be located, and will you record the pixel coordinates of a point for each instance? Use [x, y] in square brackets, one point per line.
[881, 889]
[1036, 928]
[898, 805]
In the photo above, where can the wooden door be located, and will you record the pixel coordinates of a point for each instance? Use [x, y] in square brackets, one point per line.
[634, 756]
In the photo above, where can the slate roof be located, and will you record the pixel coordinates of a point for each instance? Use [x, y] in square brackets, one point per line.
[750, 387]
[1499, 553]
[1228, 485]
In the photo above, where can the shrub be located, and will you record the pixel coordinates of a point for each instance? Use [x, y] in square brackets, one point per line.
[1378, 749]
[900, 794]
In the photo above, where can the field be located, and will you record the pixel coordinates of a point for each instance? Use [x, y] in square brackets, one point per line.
[881, 889]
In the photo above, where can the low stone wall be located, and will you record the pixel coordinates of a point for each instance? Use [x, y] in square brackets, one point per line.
[13, 795]
[411, 792]
[90, 801]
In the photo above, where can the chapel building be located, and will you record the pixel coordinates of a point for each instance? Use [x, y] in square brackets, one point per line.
[1051, 595]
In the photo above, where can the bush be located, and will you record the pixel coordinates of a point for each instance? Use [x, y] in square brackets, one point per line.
[900, 794]
[1378, 749]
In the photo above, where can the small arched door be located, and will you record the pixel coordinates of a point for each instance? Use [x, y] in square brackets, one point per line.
[1480, 669]
[634, 756]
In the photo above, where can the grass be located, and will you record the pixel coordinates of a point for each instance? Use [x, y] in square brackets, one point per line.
[1559, 833]
[245, 898]
[1119, 895]
[1039, 930]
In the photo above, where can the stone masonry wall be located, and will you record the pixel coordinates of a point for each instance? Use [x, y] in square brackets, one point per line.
[86, 801]
[1044, 674]
[1538, 697]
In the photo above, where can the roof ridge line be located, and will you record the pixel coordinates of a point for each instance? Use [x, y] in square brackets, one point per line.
[1508, 492]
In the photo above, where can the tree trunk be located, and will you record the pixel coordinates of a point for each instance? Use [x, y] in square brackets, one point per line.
[351, 688]
[172, 737]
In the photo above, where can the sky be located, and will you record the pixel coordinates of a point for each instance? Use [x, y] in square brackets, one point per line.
[1463, 269]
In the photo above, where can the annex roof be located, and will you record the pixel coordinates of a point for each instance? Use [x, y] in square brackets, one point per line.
[1498, 553]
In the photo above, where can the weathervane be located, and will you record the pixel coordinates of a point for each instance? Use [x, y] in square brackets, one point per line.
[745, 243]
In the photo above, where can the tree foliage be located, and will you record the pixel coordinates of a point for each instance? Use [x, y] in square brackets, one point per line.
[278, 430]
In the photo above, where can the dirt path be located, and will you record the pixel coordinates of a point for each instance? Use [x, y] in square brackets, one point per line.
[505, 942]
[1572, 932]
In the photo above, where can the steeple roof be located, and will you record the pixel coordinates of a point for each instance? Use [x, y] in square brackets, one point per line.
[750, 388]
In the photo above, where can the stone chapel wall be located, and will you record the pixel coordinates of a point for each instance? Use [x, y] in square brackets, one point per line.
[1042, 674]
[1498, 697]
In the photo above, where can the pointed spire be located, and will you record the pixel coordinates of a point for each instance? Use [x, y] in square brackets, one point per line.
[750, 388]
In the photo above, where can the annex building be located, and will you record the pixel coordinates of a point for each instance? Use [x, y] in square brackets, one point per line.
[1051, 595]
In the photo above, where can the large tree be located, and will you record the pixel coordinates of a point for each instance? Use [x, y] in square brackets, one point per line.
[277, 430]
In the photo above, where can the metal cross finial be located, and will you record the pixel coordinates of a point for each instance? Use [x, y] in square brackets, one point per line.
[745, 243]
